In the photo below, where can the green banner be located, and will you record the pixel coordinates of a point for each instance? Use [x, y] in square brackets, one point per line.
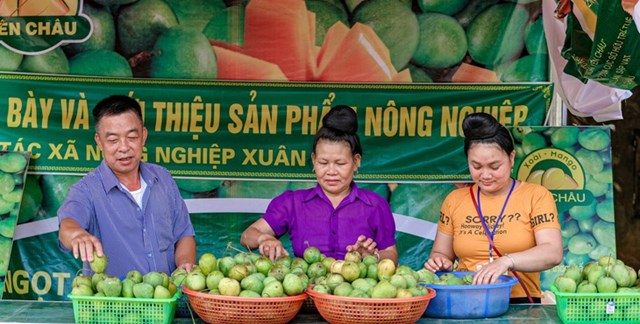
[602, 49]
[257, 130]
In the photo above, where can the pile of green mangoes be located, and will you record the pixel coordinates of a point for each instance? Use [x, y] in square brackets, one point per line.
[12, 184]
[617, 282]
[246, 274]
[607, 275]
[447, 279]
[368, 277]
[156, 285]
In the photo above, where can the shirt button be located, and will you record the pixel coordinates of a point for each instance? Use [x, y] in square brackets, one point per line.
[333, 233]
[149, 255]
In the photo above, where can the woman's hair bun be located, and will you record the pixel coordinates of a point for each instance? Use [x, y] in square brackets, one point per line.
[341, 118]
[480, 126]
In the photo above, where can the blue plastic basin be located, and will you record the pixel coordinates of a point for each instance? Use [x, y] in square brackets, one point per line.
[470, 301]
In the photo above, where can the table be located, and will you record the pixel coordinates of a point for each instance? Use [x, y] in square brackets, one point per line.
[29, 311]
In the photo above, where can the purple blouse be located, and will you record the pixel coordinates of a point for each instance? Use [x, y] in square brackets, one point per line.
[311, 220]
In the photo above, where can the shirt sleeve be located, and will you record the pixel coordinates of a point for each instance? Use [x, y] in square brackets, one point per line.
[183, 226]
[545, 212]
[445, 222]
[385, 225]
[280, 212]
[77, 206]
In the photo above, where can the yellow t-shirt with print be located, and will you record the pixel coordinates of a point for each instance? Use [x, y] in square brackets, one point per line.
[531, 207]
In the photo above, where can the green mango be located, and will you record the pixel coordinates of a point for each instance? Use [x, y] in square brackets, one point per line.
[52, 62]
[395, 24]
[9, 60]
[183, 53]
[104, 31]
[100, 62]
[493, 39]
[140, 23]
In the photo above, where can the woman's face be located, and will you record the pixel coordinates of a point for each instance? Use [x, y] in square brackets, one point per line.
[490, 167]
[334, 166]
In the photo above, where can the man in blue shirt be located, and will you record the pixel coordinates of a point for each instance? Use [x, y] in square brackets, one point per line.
[129, 210]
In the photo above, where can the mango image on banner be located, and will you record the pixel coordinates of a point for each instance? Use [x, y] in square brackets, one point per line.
[26, 8]
[553, 179]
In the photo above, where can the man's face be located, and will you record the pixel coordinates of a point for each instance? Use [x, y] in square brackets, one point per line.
[121, 139]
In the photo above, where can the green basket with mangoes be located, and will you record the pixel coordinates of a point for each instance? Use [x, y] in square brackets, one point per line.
[136, 298]
[606, 290]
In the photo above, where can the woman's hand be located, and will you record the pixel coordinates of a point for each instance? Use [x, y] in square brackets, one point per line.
[260, 236]
[442, 256]
[272, 248]
[438, 263]
[490, 272]
[365, 246]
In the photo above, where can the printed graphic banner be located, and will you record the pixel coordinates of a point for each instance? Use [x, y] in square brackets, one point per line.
[13, 173]
[254, 130]
[574, 163]
[284, 40]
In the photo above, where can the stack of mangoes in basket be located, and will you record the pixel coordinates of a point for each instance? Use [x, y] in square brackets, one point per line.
[246, 275]
[249, 274]
[606, 275]
[156, 285]
[369, 277]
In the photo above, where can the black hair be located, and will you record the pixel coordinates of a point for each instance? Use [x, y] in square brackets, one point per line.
[340, 124]
[115, 105]
[484, 128]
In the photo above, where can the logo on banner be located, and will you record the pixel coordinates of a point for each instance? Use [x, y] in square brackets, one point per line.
[35, 27]
[560, 172]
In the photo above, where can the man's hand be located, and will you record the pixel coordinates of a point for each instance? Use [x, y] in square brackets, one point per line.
[83, 244]
[78, 240]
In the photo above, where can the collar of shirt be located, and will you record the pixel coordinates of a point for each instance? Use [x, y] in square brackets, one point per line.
[109, 180]
[353, 195]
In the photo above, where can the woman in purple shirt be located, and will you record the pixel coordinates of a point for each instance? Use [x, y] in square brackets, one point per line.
[336, 216]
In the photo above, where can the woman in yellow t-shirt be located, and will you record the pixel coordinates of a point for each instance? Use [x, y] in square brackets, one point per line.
[498, 224]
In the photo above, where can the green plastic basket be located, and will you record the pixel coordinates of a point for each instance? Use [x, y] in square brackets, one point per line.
[107, 310]
[597, 307]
